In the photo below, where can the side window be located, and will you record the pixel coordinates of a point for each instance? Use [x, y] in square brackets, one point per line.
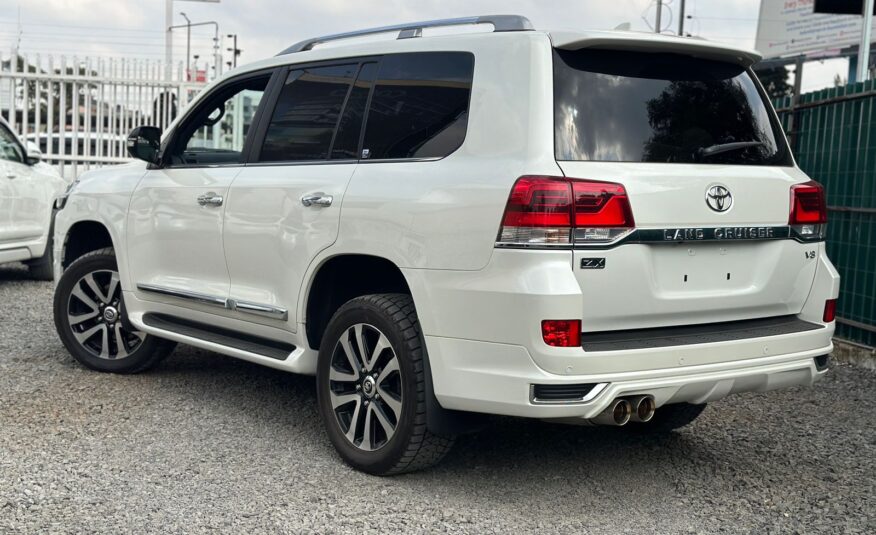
[215, 132]
[306, 114]
[346, 144]
[10, 149]
[420, 105]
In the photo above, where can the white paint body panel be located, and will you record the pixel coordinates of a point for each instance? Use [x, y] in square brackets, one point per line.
[480, 307]
[27, 196]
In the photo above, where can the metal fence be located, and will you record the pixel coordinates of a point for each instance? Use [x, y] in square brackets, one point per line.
[79, 111]
[833, 136]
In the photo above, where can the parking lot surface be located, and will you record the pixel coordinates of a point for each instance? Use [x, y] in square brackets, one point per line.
[206, 443]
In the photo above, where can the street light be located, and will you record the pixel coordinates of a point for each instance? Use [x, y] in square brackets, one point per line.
[188, 47]
[168, 34]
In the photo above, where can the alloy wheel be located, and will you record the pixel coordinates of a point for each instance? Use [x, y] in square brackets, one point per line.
[94, 314]
[365, 387]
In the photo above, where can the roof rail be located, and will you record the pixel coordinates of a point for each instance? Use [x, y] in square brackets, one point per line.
[501, 23]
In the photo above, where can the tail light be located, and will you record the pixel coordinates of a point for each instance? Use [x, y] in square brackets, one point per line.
[544, 210]
[829, 311]
[808, 211]
[561, 333]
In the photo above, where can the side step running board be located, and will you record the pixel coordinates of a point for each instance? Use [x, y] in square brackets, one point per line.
[217, 335]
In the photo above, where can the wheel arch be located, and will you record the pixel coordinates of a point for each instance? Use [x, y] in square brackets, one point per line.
[82, 237]
[339, 278]
[332, 275]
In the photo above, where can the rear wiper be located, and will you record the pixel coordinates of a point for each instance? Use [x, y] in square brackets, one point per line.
[705, 152]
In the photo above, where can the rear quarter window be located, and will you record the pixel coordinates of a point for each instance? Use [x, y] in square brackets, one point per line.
[666, 108]
[419, 106]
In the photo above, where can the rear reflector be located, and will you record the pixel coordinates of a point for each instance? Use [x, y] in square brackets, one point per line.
[829, 311]
[561, 333]
[547, 210]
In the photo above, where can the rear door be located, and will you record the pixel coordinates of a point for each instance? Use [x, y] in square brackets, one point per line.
[708, 175]
[284, 207]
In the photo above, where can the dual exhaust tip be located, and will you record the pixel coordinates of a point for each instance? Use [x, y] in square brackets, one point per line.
[624, 410]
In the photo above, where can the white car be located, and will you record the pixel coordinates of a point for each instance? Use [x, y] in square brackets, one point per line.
[573, 226]
[28, 189]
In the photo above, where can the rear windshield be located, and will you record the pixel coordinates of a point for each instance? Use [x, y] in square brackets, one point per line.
[667, 108]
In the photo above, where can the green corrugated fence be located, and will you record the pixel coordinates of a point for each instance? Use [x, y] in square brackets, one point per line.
[833, 137]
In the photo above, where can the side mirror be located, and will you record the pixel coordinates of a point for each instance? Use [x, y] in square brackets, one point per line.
[144, 143]
[34, 154]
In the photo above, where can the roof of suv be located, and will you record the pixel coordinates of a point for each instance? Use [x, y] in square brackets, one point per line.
[503, 24]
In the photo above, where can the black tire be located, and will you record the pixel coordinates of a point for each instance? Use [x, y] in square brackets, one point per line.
[138, 356]
[412, 446]
[42, 268]
[668, 418]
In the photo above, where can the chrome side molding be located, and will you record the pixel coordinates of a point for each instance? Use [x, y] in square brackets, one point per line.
[204, 299]
[257, 309]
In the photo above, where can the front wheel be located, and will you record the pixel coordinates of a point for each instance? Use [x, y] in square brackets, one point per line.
[89, 319]
[371, 387]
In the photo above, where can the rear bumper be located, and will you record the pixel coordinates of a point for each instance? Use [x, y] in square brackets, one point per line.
[483, 336]
[497, 379]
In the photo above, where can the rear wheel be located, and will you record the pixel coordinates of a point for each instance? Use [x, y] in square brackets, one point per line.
[89, 318]
[371, 386]
[670, 417]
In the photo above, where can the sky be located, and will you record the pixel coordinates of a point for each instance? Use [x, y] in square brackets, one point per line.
[135, 28]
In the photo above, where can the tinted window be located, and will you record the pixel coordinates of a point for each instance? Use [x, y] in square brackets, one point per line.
[306, 114]
[350, 127]
[638, 107]
[218, 127]
[419, 108]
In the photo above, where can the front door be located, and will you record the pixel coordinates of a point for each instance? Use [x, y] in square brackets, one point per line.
[284, 207]
[174, 231]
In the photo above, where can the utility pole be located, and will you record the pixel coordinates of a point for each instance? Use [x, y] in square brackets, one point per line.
[864, 50]
[681, 19]
[188, 47]
[234, 50]
[657, 21]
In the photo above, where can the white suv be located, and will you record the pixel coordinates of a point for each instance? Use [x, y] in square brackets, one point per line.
[28, 189]
[580, 227]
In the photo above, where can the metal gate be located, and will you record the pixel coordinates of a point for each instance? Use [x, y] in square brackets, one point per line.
[79, 111]
[833, 136]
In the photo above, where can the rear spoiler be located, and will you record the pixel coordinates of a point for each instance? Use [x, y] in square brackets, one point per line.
[649, 42]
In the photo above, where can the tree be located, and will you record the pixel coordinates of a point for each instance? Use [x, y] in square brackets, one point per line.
[775, 81]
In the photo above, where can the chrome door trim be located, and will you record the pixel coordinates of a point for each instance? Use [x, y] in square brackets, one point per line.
[257, 309]
[183, 294]
[246, 307]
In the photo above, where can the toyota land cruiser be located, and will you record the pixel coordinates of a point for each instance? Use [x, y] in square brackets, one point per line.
[588, 227]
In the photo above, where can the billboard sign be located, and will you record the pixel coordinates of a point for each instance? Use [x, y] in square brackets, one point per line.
[791, 28]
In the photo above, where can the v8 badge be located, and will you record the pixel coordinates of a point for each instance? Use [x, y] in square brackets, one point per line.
[593, 263]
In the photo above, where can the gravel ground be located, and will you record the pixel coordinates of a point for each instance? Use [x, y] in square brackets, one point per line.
[209, 443]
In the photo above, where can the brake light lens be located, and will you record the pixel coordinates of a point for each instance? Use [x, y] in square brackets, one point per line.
[545, 210]
[829, 311]
[808, 211]
[561, 333]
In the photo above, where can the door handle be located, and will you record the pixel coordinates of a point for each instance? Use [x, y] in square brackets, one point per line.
[210, 199]
[316, 199]
[10, 175]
